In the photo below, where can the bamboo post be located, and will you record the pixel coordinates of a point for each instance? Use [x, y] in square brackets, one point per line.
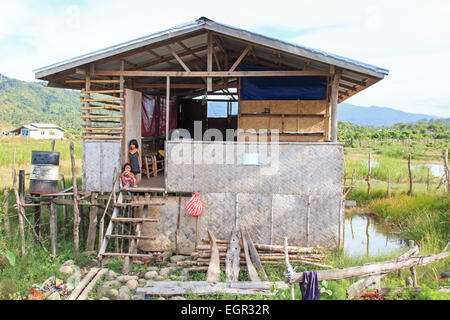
[5, 210]
[63, 187]
[410, 176]
[76, 213]
[53, 228]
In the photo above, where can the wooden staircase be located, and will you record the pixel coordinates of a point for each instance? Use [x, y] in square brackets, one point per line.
[129, 215]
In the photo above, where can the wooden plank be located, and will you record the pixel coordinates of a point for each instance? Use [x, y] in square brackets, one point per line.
[334, 106]
[214, 265]
[110, 228]
[98, 116]
[53, 229]
[254, 255]
[99, 91]
[253, 274]
[232, 261]
[91, 285]
[79, 288]
[176, 56]
[93, 220]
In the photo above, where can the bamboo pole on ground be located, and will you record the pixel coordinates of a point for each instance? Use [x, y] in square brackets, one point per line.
[76, 213]
[5, 210]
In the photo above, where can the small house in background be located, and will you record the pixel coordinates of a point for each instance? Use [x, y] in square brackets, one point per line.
[40, 131]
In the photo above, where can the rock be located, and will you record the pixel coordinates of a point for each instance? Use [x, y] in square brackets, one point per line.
[175, 259]
[110, 275]
[160, 298]
[112, 293]
[138, 297]
[54, 297]
[68, 263]
[125, 279]
[159, 278]
[132, 285]
[153, 269]
[445, 275]
[66, 270]
[166, 271]
[142, 281]
[112, 283]
[177, 298]
[104, 298]
[124, 290]
[150, 275]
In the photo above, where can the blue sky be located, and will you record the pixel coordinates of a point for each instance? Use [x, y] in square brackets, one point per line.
[410, 38]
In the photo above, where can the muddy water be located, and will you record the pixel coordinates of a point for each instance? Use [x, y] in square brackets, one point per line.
[364, 236]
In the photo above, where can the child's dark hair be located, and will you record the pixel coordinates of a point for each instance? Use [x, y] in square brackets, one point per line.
[125, 165]
[135, 143]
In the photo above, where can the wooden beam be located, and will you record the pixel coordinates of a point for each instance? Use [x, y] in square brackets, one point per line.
[239, 60]
[215, 74]
[209, 83]
[167, 108]
[180, 61]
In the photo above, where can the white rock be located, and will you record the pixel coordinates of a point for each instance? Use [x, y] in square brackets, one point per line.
[54, 297]
[150, 275]
[166, 271]
[66, 270]
[125, 279]
[132, 285]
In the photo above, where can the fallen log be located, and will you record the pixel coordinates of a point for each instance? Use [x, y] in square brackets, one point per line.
[160, 288]
[91, 285]
[232, 258]
[255, 255]
[369, 270]
[253, 274]
[356, 289]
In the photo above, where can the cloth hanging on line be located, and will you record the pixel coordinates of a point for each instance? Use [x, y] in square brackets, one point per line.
[194, 207]
[310, 286]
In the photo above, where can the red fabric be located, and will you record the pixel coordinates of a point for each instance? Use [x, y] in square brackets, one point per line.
[154, 116]
[194, 207]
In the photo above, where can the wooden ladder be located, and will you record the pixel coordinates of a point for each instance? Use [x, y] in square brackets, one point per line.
[135, 220]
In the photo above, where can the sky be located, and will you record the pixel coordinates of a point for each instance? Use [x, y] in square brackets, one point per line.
[410, 38]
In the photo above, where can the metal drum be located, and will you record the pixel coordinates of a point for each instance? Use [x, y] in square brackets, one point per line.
[44, 174]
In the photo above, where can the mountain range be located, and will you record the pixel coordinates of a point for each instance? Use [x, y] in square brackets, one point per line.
[27, 102]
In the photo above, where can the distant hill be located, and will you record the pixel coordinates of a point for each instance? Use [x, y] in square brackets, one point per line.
[377, 116]
[26, 102]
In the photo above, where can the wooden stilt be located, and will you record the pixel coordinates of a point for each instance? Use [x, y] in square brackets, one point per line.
[5, 210]
[53, 228]
[76, 212]
[92, 230]
[20, 202]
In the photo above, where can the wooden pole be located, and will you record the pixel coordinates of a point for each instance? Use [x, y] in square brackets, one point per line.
[20, 199]
[410, 176]
[334, 105]
[369, 173]
[53, 228]
[167, 108]
[64, 208]
[76, 213]
[428, 179]
[53, 146]
[447, 172]
[289, 268]
[5, 210]
[37, 218]
[101, 227]
[92, 230]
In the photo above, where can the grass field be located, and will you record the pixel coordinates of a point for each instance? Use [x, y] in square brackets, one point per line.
[24, 147]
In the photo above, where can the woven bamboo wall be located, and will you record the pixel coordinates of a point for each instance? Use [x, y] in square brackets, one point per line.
[302, 200]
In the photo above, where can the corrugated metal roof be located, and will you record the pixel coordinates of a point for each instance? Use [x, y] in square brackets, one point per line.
[205, 23]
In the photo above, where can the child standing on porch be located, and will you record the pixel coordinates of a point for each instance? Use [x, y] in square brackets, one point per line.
[135, 159]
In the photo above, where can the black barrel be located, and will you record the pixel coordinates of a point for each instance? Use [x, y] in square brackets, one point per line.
[44, 175]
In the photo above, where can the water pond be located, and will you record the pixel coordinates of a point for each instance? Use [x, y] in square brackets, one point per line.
[363, 235]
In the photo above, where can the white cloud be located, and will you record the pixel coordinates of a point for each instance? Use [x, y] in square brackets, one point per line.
[411, 38]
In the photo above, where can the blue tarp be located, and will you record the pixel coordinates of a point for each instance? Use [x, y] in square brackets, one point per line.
[281, 88]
